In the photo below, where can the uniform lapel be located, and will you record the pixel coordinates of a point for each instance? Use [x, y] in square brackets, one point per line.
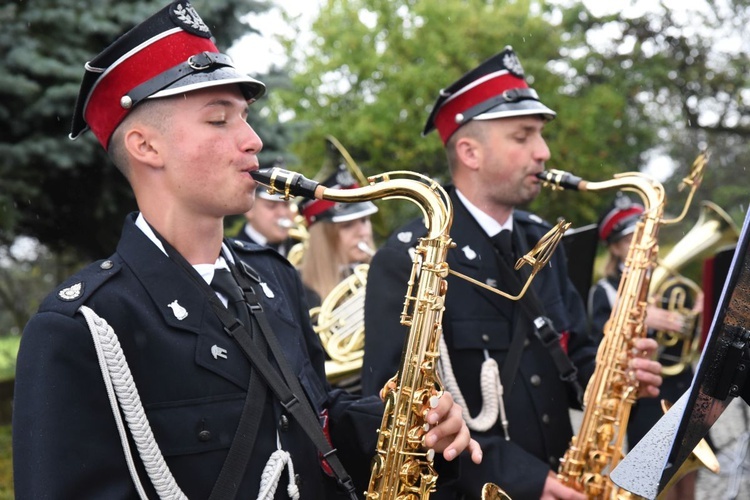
[182, 306]
[475, 256]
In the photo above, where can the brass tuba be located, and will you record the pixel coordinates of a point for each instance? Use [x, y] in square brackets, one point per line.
[402, 467]
[670, 290]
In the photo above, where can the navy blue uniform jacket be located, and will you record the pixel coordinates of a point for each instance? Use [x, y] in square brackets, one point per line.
[65, 440]
[474, 320]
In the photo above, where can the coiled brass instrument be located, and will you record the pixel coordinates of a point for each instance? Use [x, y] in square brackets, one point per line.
[402, 467]
[671, 290]
[612, 390]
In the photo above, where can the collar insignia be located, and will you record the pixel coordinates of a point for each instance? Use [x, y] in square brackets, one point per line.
[469, 252]
[71, 293]
[179, 311]
[404, 237]
[267, 290]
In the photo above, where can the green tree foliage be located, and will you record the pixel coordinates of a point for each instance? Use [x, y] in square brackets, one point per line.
[624, 88]
[66, 193]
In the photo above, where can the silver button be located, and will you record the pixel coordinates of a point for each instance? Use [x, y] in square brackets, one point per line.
[485, 338]
[107, 264]
[535, 380]
[545, 419]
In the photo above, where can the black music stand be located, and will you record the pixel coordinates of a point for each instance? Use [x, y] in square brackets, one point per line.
[720, 377]
[580, 246]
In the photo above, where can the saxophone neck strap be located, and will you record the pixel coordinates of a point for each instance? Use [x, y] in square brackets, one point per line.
[543, 330]
[288, 390]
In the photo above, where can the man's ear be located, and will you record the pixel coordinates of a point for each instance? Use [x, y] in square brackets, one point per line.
[142, 144]
[469, 152]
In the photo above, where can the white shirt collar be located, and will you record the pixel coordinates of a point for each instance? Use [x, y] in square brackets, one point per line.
[255, 235]
[205, 270]
[490, 225]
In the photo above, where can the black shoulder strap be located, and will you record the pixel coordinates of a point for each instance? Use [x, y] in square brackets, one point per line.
[543, 329]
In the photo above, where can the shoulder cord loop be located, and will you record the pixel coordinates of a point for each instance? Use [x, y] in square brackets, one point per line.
[123, 395]
[271, 475]
[492, 393]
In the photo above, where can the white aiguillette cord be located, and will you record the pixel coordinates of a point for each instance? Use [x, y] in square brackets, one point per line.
[492, 393]
[123, 395]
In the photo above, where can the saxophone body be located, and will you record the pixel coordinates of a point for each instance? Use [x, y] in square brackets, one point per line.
[612, 390]
[402, 468]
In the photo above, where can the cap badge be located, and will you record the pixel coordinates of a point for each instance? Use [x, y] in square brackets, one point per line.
[469, 252]
[491, 282]
[71, 293]
[186, 17]
[344, 178]
[623, 202]
[513, 65]
[179, 311]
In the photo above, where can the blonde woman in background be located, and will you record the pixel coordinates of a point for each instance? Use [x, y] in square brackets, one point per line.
[340, 239]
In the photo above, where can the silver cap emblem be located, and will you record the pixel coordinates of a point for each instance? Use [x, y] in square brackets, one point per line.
[71, 293]
[218, 352]
[179, 311]
[469, 252]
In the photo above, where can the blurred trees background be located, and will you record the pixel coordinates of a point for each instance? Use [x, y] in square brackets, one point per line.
[628, 87]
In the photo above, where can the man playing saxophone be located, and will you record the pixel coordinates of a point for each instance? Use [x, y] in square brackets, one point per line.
[491, 124]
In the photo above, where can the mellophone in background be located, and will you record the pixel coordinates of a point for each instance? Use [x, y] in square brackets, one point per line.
[720, 377]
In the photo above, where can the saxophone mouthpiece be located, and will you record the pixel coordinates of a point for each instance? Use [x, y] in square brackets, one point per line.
[559, 179]
[286, 183]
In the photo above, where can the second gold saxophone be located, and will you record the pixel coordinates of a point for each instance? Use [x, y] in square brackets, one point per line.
[612, 390]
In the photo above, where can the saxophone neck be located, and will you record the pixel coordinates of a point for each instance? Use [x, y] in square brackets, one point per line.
[419, 189]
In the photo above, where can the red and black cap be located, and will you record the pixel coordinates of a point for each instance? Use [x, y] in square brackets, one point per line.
[170, 53]
[494, 89]
[326, 210]
[620, 219]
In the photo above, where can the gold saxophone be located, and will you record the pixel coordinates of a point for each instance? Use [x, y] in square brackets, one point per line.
[402, 468]
[612, 390]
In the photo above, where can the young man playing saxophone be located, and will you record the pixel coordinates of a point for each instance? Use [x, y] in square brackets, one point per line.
[171, 111]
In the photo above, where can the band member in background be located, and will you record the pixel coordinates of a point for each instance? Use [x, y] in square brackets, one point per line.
[268, 222]
[616, 226]
[491, 124]
[142, 393]
[340, 238]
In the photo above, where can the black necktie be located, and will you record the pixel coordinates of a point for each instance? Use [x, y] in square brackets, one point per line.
[504, 245]
[224, 283]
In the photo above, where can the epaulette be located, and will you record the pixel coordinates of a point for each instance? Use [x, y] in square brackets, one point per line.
[246, 247]
[73, 292]
[525, 217]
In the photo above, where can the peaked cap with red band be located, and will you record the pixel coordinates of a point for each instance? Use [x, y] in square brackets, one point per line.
[326, 210]
[620, 219]
[494, 89]
[170, 53]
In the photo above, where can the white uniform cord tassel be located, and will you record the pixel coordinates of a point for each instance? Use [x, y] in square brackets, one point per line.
[491, 388]
[271, 476]
[123, 395]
